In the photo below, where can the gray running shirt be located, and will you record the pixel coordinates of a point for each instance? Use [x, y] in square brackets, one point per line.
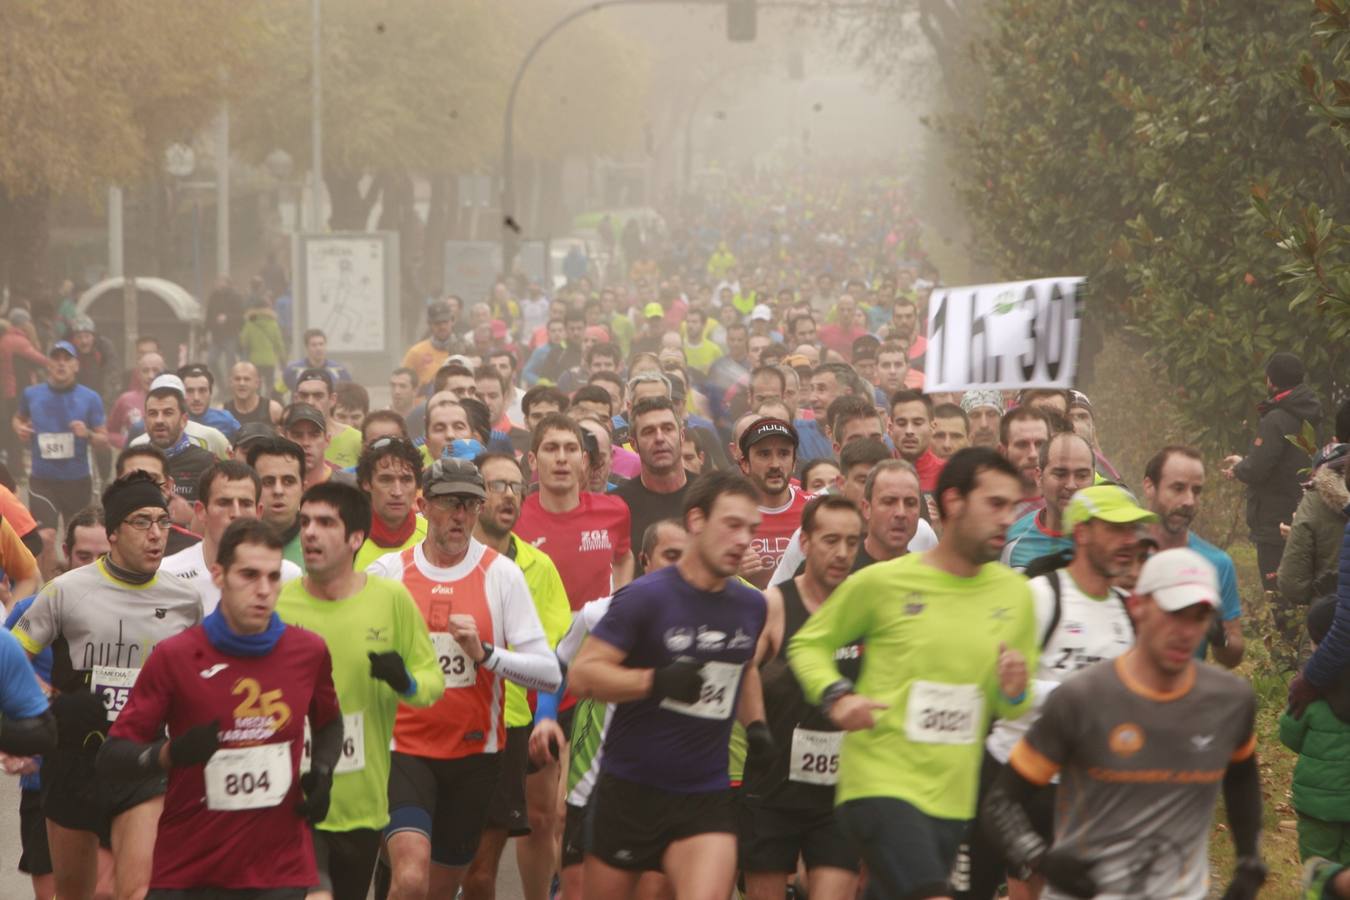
[91, 619]
[1139, 774]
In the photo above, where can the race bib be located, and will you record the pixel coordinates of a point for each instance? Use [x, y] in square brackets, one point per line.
[248, 777]
[720, 681]
[458, 669]
[353, 758]
[113, 685]
[944, 713]
[815, 756]
[56, 445]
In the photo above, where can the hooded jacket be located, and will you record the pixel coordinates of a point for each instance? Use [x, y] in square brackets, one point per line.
[260, 339]
[1272, 465]
[1308, 568]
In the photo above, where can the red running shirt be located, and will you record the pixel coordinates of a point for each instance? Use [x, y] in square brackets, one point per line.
[776, 528]
[583, 543]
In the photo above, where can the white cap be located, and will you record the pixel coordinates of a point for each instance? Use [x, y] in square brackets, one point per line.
[761, 313]
[168, 381]
[1179, 578]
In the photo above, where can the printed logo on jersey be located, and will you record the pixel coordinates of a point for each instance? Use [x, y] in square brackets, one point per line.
[1073, 628]
[1126, 740]
[258, 715]
[711, 640]
[595, 540]
[679, 639]
[914, 604]
[1000, 613]
[217, 668]
[848, 651]
[1201, 742]
[740, 640]
[160, 612]
[376, 634]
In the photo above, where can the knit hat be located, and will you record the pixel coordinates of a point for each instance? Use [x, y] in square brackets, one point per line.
[975, 399]
[1285, 370]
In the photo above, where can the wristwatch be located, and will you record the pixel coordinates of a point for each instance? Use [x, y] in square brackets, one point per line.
[831, 694]
[488, 649]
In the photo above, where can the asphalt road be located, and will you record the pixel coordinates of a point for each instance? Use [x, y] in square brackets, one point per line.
[14, 885]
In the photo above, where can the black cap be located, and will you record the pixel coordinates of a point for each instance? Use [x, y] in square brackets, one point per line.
[254, 431]
[765, 428]
[302, 412]
[439, 311]
[317, 374]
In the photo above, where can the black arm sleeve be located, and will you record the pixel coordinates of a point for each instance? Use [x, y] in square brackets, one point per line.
[1003, 817]
[28, 737]
[123, 759]
[33, 541]
[326, 745]
[1242, 797]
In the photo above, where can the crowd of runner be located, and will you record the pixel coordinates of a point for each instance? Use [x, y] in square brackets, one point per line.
[674, 574]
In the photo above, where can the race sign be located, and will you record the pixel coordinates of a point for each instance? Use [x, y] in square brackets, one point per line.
[1020, 334]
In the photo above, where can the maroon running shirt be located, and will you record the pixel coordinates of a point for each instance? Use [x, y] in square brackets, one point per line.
[261, 703]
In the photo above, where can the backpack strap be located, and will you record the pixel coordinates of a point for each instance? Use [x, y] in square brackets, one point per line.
[1056, 611]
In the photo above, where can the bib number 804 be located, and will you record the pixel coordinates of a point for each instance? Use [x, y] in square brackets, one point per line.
[246, 783]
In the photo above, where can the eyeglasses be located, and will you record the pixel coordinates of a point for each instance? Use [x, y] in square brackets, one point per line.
[145, 523]
[501, 486]
[457, 504]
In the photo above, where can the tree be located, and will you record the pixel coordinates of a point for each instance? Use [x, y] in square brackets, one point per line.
[92, 95]
[1314, 237]
[1122, 142]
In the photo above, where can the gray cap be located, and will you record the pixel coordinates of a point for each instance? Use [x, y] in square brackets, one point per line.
[81, 323]
[302, 412]
[253, 431]
[446, 477]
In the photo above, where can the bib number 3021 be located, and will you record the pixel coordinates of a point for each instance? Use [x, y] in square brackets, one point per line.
[815, 756]
[944, 713]
[248, 777]
[720, 683]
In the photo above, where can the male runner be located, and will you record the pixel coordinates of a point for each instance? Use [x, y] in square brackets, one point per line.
[226, 492]
[948, 633]
[585, 534]
[1080, 619]
[1066, 465]
[99, 648]
[768, 457]
[890, 508]
[525, 806]
[388, 472]
[381, 655]
[151, 460]
[662, 546]
[1173, 480]
[235, 693]
[788, 800]
[280, 465]
[672, 654]
[1022, 432]
[1142, 744]
[447, 758]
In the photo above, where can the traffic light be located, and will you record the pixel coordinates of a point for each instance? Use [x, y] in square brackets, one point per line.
[742, 20]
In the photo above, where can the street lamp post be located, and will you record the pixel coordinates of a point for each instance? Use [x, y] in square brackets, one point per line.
[316, 118]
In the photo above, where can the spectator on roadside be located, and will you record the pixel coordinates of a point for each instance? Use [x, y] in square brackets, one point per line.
[261, 343]
[224, 319]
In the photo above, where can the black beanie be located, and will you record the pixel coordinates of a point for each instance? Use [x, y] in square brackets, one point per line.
[1285, 370]
[127, 494]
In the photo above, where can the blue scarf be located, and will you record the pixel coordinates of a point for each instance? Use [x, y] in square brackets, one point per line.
[179, 447]
[224, 639]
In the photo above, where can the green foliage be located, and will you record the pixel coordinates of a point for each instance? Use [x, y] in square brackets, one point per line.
[1123, 142]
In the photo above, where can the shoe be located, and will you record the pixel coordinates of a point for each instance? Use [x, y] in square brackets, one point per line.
[1317, 874]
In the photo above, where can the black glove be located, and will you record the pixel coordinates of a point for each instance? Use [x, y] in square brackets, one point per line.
[1068, 873]
[682, 680]
[317, 785]
[389, 668]
[1248, 876]
[195, 745]
[760, 747]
